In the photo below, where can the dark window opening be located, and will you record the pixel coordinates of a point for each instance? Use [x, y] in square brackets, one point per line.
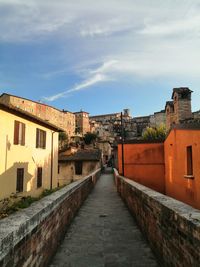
[20, 180]
[19, 133]
[39, 177]
[78, 167]
[189, 161]
[58, 169]
[40, 138]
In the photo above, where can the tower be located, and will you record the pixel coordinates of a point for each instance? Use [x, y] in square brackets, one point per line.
[182, 104]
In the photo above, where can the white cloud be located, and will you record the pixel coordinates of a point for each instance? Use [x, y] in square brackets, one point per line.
[186, 26]
[97, 78]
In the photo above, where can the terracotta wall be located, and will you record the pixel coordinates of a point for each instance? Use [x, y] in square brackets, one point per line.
[144, 163]
[178, 185]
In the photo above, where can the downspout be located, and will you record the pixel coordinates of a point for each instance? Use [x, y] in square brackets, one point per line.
[122, 136]
[51, 181]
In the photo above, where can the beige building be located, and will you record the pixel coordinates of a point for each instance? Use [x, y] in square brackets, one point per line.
[75, 166]
[63, 119]
[106, 149]
[29, 153]
[82, 122]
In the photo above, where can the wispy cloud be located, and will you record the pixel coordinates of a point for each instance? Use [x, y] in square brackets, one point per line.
[186, 26]
[97, 78]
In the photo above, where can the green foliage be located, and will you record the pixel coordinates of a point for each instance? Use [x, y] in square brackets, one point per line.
[63, 136]
[155, 134]
[89, 138]
[23, 203]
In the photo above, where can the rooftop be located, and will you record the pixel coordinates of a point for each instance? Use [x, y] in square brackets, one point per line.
[26, 115]
[81, 155]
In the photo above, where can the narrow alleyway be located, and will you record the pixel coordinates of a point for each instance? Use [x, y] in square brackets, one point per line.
[104, 234]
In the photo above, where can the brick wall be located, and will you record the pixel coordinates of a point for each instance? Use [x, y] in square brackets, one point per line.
[171, 227]
[30, 237]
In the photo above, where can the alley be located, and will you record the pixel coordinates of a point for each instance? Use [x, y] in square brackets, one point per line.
[103, 234]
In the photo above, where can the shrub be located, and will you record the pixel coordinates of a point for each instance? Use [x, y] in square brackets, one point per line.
[155, 134]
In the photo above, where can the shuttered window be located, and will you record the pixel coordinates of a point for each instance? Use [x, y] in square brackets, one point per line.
[20, 180]
[39, 177]
[189, 161]
[19, 133]
[78, 167]
[40, 138]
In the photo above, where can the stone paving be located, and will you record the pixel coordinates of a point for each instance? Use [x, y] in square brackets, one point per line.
[104, 234]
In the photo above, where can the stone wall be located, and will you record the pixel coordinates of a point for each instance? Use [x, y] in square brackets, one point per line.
[30, 237]
[171, 227]
[63, 119]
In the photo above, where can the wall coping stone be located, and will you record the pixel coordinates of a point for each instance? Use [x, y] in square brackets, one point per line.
[185, 211]
[18, 225]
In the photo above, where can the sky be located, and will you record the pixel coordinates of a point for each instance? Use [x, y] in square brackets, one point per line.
[100, 56]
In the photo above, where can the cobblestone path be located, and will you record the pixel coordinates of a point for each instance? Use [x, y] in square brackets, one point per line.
[103, 234]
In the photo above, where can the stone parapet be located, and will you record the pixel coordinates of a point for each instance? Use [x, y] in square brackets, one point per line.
[171, 227]
[30, 237]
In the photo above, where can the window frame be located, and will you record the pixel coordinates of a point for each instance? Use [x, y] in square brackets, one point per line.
[189, 163]
[78, 167]
[19, 133]
[20, 180]
[41, 138]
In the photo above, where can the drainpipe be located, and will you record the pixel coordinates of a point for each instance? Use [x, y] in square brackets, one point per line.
[51, 181]
[122, 136]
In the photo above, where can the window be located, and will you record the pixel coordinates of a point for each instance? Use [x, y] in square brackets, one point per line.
[19, 133]
[39, 177]
[58, 168]
[20, 180]
[189, 161]
[40, 138]
[78, 167]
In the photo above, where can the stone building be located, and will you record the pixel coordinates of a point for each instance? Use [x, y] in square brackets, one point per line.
[77, 165]
[63, 119]
[82, 122]
[179, 109]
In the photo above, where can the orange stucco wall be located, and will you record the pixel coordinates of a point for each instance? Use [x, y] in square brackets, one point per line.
[144, 163]
[177, 184]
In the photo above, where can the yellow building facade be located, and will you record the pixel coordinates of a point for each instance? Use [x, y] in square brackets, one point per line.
[29, 153]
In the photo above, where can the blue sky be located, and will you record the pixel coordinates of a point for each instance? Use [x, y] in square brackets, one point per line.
[100, 56]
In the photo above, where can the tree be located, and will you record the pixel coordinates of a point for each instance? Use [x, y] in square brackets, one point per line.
[63, 139]
[155, 134]
[89, 138]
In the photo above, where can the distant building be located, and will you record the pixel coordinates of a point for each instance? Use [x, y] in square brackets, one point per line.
[108, 126]
[63, 119]
[179, 109]
[82, 122]
[75, 166]
[29, 153]
[106, 149]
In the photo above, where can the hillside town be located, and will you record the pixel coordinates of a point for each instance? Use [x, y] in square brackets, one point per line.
[44, 147]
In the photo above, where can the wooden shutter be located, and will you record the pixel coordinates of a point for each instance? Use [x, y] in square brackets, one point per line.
[20, 180]
[23, 134]
[16, 132]
[39, 177]
[44, 139]
[37, 137]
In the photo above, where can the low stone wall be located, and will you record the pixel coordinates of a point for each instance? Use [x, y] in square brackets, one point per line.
[172, 227]
[30, 237]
